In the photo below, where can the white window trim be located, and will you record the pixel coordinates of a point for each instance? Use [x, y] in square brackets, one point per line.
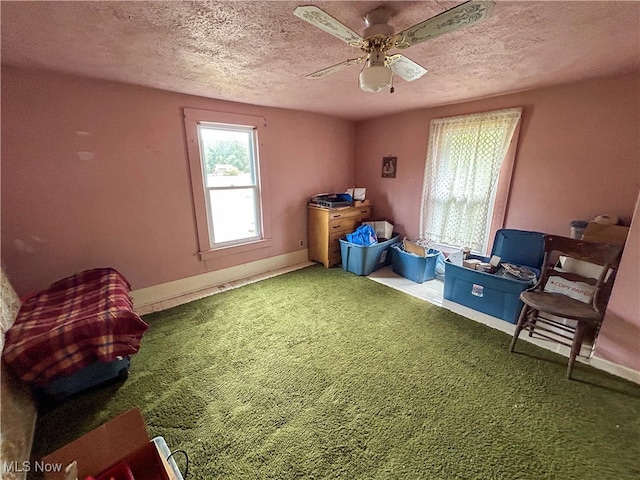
[503, 189]
[192, 118]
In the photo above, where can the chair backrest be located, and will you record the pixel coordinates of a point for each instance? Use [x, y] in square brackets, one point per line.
[597, 282]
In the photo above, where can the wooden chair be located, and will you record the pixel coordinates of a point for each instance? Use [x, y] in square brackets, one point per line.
[553, 300]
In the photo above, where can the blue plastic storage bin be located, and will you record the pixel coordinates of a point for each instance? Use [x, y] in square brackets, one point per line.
[412, 266]
[363, 260]
[496, 294]
[90, 376]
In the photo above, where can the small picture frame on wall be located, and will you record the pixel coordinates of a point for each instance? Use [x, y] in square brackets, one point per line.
[389, 167]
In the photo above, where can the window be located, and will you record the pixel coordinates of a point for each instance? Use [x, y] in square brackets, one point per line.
[467, 177]
[231, 190]
[225, 165]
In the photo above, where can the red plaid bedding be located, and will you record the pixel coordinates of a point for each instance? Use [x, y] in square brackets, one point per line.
[75, 322]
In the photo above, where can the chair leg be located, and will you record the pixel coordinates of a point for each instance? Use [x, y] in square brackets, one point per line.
[575, 347]
[521, 320]
[533, 317]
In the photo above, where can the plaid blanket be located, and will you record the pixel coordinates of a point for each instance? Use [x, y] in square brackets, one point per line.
[77, 321]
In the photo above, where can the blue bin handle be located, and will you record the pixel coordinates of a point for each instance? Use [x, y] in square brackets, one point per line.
[346, 262]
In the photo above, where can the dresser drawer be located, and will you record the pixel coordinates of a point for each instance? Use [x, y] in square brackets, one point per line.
[346, 225]
[328, 226]
[362, 212]
[334, 243]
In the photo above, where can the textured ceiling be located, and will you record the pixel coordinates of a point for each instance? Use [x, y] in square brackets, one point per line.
[259, 52]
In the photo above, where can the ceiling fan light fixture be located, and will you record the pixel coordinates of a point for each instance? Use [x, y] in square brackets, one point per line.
[375, 77]
[379, 37]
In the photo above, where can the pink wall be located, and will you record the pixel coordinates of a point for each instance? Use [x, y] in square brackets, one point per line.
[619, 338]
[129, 205]
[577, 155]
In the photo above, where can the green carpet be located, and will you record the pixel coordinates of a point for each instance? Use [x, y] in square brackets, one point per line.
[321, 374]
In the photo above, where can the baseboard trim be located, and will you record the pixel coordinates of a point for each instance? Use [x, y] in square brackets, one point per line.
[145, 297]
[509, 328]
[615, 369]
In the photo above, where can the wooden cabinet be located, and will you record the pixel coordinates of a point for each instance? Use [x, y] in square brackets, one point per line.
[327, 226]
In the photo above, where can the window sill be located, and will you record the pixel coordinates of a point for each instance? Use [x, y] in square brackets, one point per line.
[235, 249]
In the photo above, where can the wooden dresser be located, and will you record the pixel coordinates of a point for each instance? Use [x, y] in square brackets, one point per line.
[327, 226]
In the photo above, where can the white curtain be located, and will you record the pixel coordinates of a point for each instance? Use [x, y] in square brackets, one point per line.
[464, 157]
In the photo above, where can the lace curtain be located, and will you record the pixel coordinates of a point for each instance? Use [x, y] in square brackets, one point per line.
[464, 158]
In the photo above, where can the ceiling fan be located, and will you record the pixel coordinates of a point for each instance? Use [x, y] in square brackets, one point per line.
[379, 37]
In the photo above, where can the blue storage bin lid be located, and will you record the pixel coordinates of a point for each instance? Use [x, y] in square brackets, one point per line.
[521, 247]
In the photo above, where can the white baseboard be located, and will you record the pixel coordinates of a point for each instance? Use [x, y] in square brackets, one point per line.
[145, 297]
[615, 369]
[509, 328]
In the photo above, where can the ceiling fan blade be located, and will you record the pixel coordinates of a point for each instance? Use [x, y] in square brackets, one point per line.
[326, 22]
[457, 17]
[334, 68]
[405, 68]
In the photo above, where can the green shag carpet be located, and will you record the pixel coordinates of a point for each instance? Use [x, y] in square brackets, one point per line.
[321, 374]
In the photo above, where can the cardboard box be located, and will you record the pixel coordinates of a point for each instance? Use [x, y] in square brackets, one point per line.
[471, 263]
[614, 234]
[124, 438]
[383, 229]
[413, 248]
[577, 290]
[357, 193]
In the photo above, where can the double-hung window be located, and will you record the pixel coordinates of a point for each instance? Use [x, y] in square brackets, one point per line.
[467, 177]
[225, 164]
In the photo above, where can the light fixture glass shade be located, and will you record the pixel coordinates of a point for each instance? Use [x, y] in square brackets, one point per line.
[375, 78]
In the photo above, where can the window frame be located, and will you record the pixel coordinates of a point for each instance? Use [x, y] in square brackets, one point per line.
[193, 119]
